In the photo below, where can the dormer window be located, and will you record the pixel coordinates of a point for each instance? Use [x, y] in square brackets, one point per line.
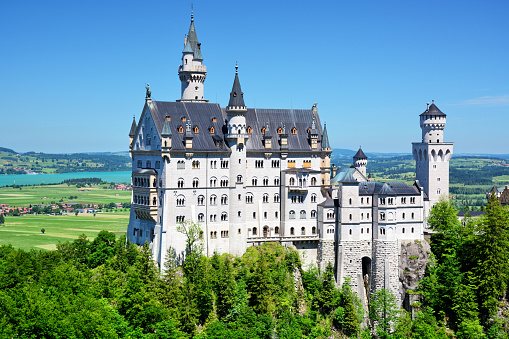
[294, 130]
[183, 118]
[263, 130]
[214, 119]
[181, 129]
[168, 118]
[234, 94]
[309, 130]
[249, 130]
[211, 129]
[196, 130]
[279, 130]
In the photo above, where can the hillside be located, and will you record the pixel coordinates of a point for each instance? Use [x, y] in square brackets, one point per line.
[12, 162]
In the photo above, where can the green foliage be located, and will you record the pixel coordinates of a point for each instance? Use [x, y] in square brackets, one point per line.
[383, 312]
[2, 219]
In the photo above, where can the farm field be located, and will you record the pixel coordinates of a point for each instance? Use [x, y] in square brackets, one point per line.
[25, 231]
[38, 195]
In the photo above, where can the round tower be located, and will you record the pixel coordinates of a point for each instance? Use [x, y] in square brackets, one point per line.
[432, 124]
[192, 73]
[360, 161]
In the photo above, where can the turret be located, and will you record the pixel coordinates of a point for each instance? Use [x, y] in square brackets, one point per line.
[192, 73]
[313, 134]
[360, 160]
[188, 136]
[432, 122]
[325, 139]
[236, 111]
[166, 139]
[132, 133]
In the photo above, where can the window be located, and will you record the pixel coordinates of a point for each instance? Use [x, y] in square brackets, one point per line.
[291, 164]
[158, 164]
[213, 182]
[140, 164]
[382, 215]
[382, 201]
[254, 181]
[254, 215]
[362, 216]
[313, 181]
[183, 118]
[413, 215]
[350, 217]
[258, 163]
[196, 130]
[330, 231]
[367, 217]
[180, 183]
[294, 131]
[201, 199]
[213, 164]
[313, 230]
[403, 230]
[263, 130]
[224, 234]
[362, 230]
[403, 200]
[265, 215]
[180, 218]
[196, 164]
[306, 164]
[265, 198]
[249, 198]
[313, 197]
[181, 129]
[195, 182]
[211, 130]
[303, 231]
[292, 181]
[213, 217]
[213, 199]
[367, 230]
[279, 130]
[403, 217]
[275, 163]
[292, 231]
[255, 231]
[181, 164]
[239, 197]
[313, 214]
[412, 200]
[149, 164]
[239, 179]
[350, 201]
[239, 231]
[224, 199]
[224, 216]
[223, 183]
[292, 214]
[181, 201]
[276, 197]
[200, 217]
[382, 230]
[330, 215]
[412, 230]
[362, 200]
[350, 231]
[239, 213]
[276, 230]
[224, 163]
[276, 181]
[249, 130]
[367, 200]
[303, 214]
[390, 201]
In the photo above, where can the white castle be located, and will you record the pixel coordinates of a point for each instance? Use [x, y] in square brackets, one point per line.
[248, 176]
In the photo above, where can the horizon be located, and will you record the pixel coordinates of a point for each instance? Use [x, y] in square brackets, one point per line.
[75, 73]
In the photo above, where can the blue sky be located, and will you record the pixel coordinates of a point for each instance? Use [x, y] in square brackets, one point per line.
[72, 73]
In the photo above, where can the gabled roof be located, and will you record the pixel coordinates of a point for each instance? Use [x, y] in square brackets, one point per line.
[345, 175]
[360, 154]
[132, 132]
[325, 138]
[433, 110]
[236, 95]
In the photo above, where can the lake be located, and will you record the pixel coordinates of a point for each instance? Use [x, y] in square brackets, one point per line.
[37, 179]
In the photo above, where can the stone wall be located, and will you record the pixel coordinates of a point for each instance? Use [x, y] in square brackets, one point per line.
[326, 253]
[385, 268]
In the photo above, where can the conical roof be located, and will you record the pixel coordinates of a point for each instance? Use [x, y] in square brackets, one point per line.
[360, 154]
[236, 95]
[166, 128]
[132, 132]
[192, 38]
[325, 138]
[433, 110]
[188, 48]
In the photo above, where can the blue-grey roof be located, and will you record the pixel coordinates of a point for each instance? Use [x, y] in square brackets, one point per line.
[345, 175]
[201, 114]
[433, 110]
[325, 138]
[132, 132]
[327, 203]
[188, 48]
[387, 188]
[236, 95]
[166, 129]
[192, 38]
[360, 154]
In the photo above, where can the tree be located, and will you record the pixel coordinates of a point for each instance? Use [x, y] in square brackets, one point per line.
[383, 312]
[2, 219]
[194, 244]
[351, 323]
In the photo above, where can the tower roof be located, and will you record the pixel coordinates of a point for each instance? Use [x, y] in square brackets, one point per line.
[187, 47]
[192, 39]
[325, 138]
[360, 154]
[166, 128]
[132, 132]
[236, 95]
[433, 110]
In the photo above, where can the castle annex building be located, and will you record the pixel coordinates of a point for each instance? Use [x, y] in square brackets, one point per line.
[249, 176]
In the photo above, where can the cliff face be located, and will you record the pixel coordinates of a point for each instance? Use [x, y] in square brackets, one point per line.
[414, 256]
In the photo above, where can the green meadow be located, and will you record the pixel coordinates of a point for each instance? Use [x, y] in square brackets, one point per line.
[38, 195]
[25, 231]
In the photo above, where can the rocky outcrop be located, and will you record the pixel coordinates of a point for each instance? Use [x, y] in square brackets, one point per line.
[414, 257]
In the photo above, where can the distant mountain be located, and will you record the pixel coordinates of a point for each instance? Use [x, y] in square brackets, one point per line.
[8, 150]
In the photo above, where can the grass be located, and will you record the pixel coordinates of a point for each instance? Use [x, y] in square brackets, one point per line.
[38, 195]
[25, 232]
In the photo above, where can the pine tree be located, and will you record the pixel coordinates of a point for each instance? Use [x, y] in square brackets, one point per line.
[2, 219]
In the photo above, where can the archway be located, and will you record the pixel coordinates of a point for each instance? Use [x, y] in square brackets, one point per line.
[366, 275]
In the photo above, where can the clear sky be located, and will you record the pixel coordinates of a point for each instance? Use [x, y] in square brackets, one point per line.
[72, 73]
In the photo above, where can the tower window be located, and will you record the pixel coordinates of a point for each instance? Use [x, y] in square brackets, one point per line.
[279, 130]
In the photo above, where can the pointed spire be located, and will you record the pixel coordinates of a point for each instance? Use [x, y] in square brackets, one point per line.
[192, 39]
[325, 138]
[166, 128]
[360, 154]
[132, 132]
[236, 95]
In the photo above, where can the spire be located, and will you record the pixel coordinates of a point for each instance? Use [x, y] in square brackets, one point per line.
[360, 154]
[132, 132]
[236, 95]
[166, 128]
[325, 138]
[192, 39]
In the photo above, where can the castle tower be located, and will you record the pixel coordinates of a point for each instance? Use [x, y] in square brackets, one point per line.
[432, 155]
[192, 73]
[325, 167]
[236, 138]
[360, 161]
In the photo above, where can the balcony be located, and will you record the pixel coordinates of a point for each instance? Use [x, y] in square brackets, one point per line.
[302, 189]
[145, 212]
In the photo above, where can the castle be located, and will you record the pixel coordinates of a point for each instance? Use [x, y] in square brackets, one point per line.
[248, 176]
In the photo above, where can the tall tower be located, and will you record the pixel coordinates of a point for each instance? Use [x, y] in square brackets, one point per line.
[192, 73]
[236, 138]
[360, 161]
[432, 155]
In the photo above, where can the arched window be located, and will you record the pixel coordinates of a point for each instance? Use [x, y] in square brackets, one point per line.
[350, 217]
[276, 230]
[254, 181]
[313, 214]
[265, 198]
[292, 181]
[350, 201]
[292, 214]
[180, 183]
[183, 118]
[224, 199]
[181, 129]
[294, 131]
[263, 130]
[196, 164]
[249, 131]
[154, 201]
[213, 199]
[201, 216]
[303, 231]
[196, 130]
[279, 130]
[292, 231]
[201, 200]
[195, 182]
[255, 231]
[239, 179]
[213, 182]
[265, 181]
[224, 216]
[313, 181]
[265, 231]
[211, 130]
[313, 230]
[249, 198]
[181, 201]
[276, 181]
[313, 197]
[276, 197]
[303, 214]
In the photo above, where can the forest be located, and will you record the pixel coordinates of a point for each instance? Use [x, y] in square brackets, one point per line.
[110, 288]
